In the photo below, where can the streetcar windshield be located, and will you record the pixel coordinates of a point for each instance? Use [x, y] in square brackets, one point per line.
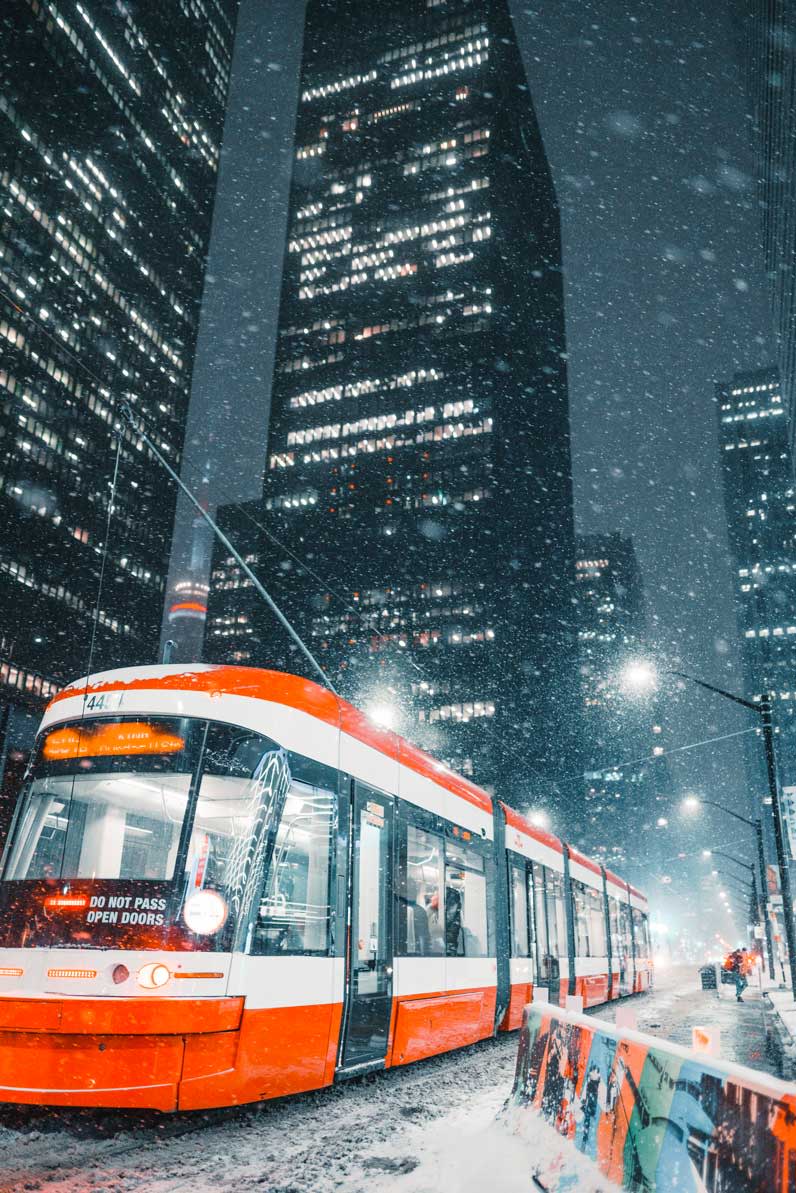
[109, 798]
[105, 799]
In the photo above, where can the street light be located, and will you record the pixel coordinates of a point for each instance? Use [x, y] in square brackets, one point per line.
[640, 675]
[747, 886]
[539, 818]
[382, 714]
[692, 803]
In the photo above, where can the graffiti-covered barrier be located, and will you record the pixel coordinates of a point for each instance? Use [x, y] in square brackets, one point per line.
[653, 1115]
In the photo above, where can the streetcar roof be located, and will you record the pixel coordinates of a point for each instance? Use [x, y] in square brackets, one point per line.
[309, 697]
[281, 688]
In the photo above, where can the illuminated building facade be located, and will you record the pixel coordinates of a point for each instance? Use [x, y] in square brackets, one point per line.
[626, 781]
[419, 458]
[760, 500]
[111, 117]
[766, 38]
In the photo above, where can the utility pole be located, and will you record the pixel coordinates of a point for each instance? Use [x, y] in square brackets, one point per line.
[779, 837]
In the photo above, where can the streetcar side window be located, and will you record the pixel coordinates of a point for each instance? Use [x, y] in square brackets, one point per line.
[617, 944]
[627, 935]
[420, 894]
[641, 933]
[444, 901]
[244, 776]
[556, 915]
[520, 942]
[467, 923]
[295, 909]
[589, 920]
[540, 919]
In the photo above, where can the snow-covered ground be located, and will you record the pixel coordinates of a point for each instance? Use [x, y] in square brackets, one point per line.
[434, 1127]
[678, 1004]
[364, 1135]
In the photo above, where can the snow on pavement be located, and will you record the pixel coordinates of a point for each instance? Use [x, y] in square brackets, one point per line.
[492, 1146]
[351, 1137]
[434, 1127]
[677, 1004]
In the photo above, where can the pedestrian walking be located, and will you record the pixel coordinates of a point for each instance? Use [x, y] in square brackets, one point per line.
[739, 965]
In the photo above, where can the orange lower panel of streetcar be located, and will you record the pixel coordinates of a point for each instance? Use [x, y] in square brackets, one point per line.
[182, 1063]
[207, 1053]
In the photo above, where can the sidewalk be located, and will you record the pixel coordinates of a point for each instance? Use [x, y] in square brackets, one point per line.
[780, 1014]
[678, 1004]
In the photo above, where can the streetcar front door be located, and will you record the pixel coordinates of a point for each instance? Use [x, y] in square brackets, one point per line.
[370, 945]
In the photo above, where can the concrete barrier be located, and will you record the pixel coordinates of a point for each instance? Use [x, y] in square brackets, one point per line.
[653, 1115]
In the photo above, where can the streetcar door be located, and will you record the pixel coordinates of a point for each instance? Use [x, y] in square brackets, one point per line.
[370, 949]
[627, 963]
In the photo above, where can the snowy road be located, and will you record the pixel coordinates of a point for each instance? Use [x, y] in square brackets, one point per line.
[351, 1137]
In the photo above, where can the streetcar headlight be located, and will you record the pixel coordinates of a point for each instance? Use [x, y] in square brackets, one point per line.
[204, 912]
[153, 975]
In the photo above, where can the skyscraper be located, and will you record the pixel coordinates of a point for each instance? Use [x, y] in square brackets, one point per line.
[108, 174]
[416, 522]
[760, 499]
[627, 786]
[767, 46]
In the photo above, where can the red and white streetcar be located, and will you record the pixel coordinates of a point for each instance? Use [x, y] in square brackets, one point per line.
[225, 884]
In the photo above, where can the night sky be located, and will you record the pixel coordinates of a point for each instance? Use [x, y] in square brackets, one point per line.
[642, 111]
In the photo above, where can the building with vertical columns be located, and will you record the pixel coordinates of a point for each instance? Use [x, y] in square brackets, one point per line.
[107, 182]
[416, 521]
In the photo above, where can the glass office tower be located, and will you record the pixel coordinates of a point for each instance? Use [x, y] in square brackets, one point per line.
[416, 521]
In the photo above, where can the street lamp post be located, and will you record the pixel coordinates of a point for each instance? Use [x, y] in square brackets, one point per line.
[763, 710]
[752, 881]
[757, 826]
[749, 887]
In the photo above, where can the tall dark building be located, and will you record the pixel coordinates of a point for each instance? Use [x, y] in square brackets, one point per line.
[760, 499]
[111, 117]
[627, 783]
[767, 46]
[419, 460]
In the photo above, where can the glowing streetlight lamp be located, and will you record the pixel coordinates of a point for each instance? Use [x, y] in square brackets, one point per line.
[383, 714]
[539, 818]
[639, 675]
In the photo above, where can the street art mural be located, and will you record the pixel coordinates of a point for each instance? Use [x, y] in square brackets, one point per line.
[653, 1116]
